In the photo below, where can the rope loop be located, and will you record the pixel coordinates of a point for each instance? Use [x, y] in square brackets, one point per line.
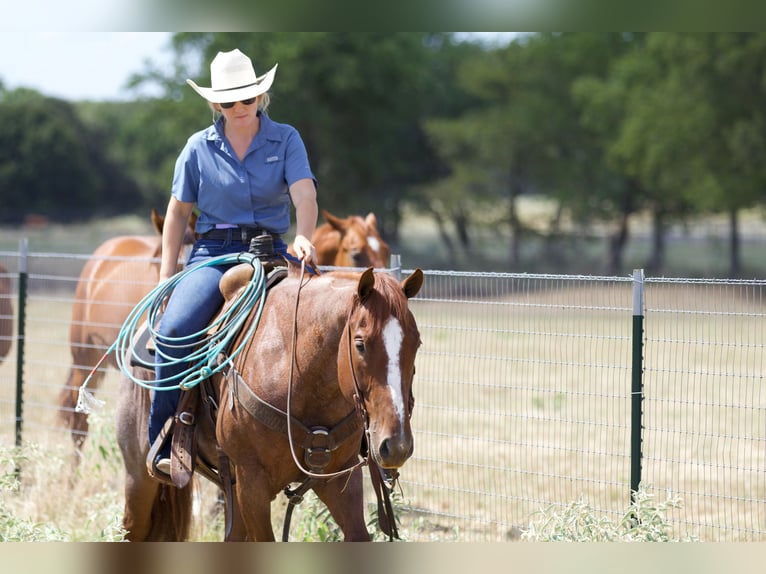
[203, 348]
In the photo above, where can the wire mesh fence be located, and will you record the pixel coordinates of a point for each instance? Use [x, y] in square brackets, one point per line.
[705, 403]
[522, 396]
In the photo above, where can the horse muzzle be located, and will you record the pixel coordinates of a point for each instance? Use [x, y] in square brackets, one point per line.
[393, 451]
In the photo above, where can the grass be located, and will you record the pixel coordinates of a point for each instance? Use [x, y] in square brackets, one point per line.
[45, 498]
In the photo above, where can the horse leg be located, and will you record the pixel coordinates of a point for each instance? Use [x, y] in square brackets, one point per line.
[153, 512]
[140, 493]
[345, 501]
[253, 510]
[238, 531]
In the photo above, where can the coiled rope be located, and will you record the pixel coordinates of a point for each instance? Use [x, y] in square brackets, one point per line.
[201, 349]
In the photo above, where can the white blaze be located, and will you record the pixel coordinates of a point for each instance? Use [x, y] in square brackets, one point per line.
[392, 339]
[374, 243]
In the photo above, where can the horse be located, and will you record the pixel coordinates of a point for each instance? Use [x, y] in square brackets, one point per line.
[350, 242]
[334, 355]
[6, 314]
[119, 273]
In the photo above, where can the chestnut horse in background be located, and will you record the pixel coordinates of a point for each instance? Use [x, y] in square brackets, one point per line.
[346, 375]
[350, 242]
[6, 314]
[121, 271]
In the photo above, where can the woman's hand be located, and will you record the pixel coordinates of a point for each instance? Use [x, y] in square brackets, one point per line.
[304, 250]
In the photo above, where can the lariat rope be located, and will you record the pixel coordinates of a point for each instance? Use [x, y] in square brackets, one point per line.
[202, 349]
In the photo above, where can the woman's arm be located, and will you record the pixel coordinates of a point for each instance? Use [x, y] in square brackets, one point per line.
[176, 221]
[304, 196]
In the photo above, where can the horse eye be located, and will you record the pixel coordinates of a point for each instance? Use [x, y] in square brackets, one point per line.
[359, 344]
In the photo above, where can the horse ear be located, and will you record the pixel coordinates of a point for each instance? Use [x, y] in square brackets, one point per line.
[413, 283]
[366, 283]
[158, 221]
[335, 222]
[371, 220]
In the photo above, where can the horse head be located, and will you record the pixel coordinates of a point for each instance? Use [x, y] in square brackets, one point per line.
[376, 362]
[351, 242]
[159, 223]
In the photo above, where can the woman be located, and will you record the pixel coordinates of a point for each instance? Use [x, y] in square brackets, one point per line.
[242, 173]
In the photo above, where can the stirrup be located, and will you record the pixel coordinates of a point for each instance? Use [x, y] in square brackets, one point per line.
[166, 433]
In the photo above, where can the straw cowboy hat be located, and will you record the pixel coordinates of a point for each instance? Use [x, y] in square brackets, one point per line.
[233, 79]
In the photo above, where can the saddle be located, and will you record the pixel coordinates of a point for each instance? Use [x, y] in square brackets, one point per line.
[199, 401]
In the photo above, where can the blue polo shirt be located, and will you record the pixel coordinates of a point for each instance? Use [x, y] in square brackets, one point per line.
[253, 191]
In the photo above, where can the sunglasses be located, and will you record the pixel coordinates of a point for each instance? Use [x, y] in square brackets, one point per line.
[229, 105]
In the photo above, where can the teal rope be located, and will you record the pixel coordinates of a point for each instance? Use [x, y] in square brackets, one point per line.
[203, 349]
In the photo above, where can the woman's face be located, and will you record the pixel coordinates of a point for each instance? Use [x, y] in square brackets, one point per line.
[240, 112]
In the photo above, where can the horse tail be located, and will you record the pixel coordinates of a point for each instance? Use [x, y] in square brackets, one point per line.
[171, 513]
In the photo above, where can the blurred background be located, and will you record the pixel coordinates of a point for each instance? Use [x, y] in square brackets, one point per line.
[517, 152]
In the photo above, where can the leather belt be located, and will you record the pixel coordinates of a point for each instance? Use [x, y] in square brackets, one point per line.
[243, 234]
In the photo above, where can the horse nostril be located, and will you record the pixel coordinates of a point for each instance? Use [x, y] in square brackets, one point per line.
[384, 449]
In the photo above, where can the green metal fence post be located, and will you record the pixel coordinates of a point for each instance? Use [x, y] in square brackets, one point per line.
[20, 330]
[637, 384]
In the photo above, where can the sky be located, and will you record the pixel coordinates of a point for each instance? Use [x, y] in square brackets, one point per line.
[79, 65]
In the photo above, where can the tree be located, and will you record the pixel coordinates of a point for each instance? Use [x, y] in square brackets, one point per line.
[50, 164]
[523, 133]
[685, 125]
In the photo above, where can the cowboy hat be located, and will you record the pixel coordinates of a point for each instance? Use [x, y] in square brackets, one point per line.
[233, 78]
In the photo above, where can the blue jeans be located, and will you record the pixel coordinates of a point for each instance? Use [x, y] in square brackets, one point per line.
[191, 306]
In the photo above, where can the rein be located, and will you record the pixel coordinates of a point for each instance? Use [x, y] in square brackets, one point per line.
[307, 472]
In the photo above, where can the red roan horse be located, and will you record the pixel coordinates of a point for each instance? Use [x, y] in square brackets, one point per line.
[350, 242]
[115, 278]
[350, 368]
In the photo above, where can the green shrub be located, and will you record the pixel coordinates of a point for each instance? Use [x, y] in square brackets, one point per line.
[644, 521]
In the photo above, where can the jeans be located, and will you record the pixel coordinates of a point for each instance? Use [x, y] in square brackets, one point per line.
[191, 306]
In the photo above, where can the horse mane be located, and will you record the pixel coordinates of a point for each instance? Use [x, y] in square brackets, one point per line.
[386, 298]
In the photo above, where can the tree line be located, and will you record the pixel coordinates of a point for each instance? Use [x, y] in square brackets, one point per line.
[606, 125]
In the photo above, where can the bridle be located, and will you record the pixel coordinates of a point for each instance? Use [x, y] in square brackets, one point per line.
[358, 397]
[382, 484]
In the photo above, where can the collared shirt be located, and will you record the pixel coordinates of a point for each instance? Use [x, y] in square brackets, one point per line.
[251, 192]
